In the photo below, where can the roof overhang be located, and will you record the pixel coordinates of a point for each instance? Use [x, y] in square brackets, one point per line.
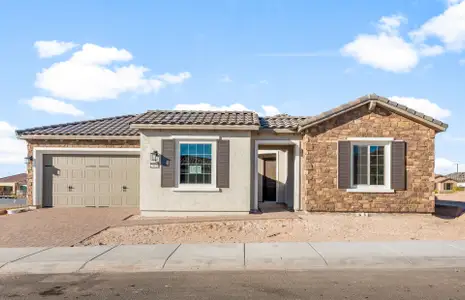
[372, 104]
[194, 127]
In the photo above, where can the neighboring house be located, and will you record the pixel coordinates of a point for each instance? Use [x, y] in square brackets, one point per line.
[369, 155]
[444, 183]
[14, 185]
[459, 177]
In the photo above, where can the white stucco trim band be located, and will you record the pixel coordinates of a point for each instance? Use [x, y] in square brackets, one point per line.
[297, 177]
[37, 163]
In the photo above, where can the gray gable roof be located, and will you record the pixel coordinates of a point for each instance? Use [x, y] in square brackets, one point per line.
[457, 176]
[121, 125]
[114, 126]
[366, 100]
[282, 121]
[187, 117]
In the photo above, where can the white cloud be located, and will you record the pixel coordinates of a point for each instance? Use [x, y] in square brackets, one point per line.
[270, 110]
[453, 2]
[424, 106]
[209, 107]
[225, 78]
[391, 24]
[53, 48]
[445, 166]
[91, 54]
[383, 51]
[263, 81]
[174, 79]
[89, 76]
[53, 106]
[449, 27]
[386, 50]
[12, 150]
[426, 50]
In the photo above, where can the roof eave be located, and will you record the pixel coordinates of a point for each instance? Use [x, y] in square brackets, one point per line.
[194, 127]
[77, 137]
[279, 130]
[435, 126]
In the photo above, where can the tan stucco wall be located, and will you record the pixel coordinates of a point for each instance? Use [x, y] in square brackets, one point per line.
[319, 186]
[441, 186]
[31, 144]
[155, 200]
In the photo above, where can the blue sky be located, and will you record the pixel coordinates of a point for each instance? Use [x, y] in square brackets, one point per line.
[63, 61]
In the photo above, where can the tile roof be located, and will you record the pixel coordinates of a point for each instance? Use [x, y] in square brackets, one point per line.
[281, 121]
[366, 99]
[187, 117]
[20, 178]
[114, 126]
[457, 176]
[120, 126]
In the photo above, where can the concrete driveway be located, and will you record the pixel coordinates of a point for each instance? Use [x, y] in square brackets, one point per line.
[57, 226]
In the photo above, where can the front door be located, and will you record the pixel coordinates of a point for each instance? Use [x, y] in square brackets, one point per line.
[269, 179]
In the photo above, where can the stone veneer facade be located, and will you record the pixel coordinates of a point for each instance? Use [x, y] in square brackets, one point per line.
[319, 163]
[31, 144]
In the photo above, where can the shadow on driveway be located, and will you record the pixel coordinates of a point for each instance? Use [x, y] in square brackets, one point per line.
[446, 209]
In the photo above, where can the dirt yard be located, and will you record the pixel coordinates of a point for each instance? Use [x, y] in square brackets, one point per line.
[313, 227]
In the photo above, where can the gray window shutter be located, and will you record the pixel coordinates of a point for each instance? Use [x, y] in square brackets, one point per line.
[398, 177]
[168, 172]
[343, 165]
[222, 164]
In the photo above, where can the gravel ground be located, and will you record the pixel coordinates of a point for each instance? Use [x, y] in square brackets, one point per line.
[313, 227]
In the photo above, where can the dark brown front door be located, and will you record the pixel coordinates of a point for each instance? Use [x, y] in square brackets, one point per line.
[269, 179]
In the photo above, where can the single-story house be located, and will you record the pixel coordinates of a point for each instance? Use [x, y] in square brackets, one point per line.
[13, 185]
[444, 183]
[369, 155]
[459, 177]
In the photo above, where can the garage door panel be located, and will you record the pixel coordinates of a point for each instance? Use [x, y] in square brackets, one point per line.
[95, 180]
[104, 174]
[116, 200]
[89, 200]
[104, 200]
[91, 174]
[77, 201]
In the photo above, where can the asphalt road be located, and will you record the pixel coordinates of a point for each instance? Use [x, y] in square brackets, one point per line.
[347, 284]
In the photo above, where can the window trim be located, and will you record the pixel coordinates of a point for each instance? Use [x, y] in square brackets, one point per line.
[366, 188]
[181, 187]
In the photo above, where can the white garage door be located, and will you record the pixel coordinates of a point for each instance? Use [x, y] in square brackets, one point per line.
[91, 180]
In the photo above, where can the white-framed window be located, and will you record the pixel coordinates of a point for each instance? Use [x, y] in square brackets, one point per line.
[196, 164]
[370, 165]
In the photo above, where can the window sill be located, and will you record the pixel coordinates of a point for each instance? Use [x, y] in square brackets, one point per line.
[195, 189]
[370, 190]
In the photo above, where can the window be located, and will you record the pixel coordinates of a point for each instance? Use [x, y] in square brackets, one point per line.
[448, 186]
[195, 163]
[370, 166]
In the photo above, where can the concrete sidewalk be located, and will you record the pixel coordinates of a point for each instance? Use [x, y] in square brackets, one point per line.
[253, 256]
